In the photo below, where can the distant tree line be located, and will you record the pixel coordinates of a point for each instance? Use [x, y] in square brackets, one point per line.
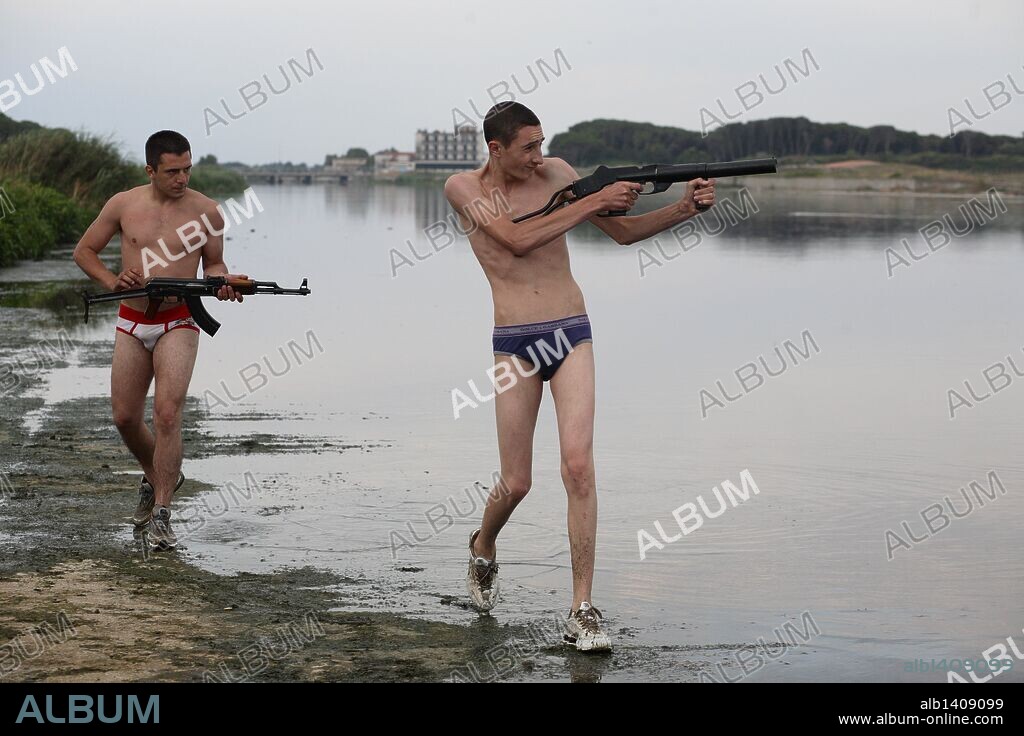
[619, 141]
[53, 183]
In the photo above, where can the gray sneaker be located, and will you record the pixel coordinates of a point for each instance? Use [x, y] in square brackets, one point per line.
[482, 580]
[585, 632]
[147, 497]
[144, 510]
[161, 536]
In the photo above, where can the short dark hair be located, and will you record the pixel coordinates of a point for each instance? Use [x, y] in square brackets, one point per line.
[503, 121]
[165, 141]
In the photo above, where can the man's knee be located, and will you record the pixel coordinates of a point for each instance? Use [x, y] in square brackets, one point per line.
[578, 467]
[515, 487]
[127, 417]
[167, 415]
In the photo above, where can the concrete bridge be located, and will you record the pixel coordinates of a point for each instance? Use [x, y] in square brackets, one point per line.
[264, 176]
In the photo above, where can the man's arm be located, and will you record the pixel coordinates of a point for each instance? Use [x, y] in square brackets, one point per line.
[634, 228]
[106, 225]
[213, 254]
[520, 238]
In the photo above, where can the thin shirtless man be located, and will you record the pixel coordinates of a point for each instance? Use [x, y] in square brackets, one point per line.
[537, 302]
[162, 346]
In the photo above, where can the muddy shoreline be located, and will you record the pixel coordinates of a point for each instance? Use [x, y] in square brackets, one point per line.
[83, 603]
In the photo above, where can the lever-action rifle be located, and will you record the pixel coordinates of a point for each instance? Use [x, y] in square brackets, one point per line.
[191, 292]
[661, 176]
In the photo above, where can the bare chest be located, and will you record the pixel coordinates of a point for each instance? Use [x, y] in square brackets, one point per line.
[159, 228]
[530, 199]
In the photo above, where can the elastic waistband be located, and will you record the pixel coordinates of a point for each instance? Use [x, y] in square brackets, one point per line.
[538, 327]
[160, 318]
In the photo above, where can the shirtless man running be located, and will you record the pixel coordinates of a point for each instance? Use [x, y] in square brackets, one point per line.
[536, 300]
[163, 346]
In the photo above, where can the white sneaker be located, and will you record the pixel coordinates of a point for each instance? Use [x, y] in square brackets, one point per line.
[482, 579]
[585, 632]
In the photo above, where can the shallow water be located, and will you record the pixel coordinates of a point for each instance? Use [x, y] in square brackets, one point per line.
[844, 444]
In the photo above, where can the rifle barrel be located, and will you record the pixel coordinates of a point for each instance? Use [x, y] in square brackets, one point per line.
[686, 172]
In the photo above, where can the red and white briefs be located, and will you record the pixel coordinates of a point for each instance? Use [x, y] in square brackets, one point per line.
[148, 331]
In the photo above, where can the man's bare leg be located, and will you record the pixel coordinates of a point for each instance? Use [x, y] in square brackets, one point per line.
[130, 375]
[516, 412]
[572, 387]
[173, 361]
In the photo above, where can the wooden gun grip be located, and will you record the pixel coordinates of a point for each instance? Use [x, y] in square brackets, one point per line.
[242, 286]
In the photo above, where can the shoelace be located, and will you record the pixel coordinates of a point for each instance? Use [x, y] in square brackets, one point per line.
[589, 620]
[487, 577]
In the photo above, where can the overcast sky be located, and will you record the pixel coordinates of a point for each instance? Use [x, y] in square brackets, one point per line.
[392, 67]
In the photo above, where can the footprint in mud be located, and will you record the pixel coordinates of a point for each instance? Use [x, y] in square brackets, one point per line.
[458, 602]
[273, 510]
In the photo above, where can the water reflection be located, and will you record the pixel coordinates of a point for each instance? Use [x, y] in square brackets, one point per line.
[769, 218]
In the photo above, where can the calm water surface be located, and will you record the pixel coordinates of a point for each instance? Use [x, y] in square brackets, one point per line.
[852, 439]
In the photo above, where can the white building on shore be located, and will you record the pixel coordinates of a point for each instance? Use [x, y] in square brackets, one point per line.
[440, 150]
[344, 165]
[392, 163]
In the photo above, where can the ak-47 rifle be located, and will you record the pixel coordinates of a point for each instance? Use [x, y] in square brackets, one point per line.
[661, 176]
[191, 292]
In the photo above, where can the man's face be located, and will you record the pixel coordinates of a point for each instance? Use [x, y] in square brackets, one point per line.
[522, 156]
[172, 173]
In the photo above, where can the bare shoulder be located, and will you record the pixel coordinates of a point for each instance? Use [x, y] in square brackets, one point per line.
[462, 187]
[200, 202]
[130, 199]
[559, 170]
[122, 202]
[558, 163]
[199, 206]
